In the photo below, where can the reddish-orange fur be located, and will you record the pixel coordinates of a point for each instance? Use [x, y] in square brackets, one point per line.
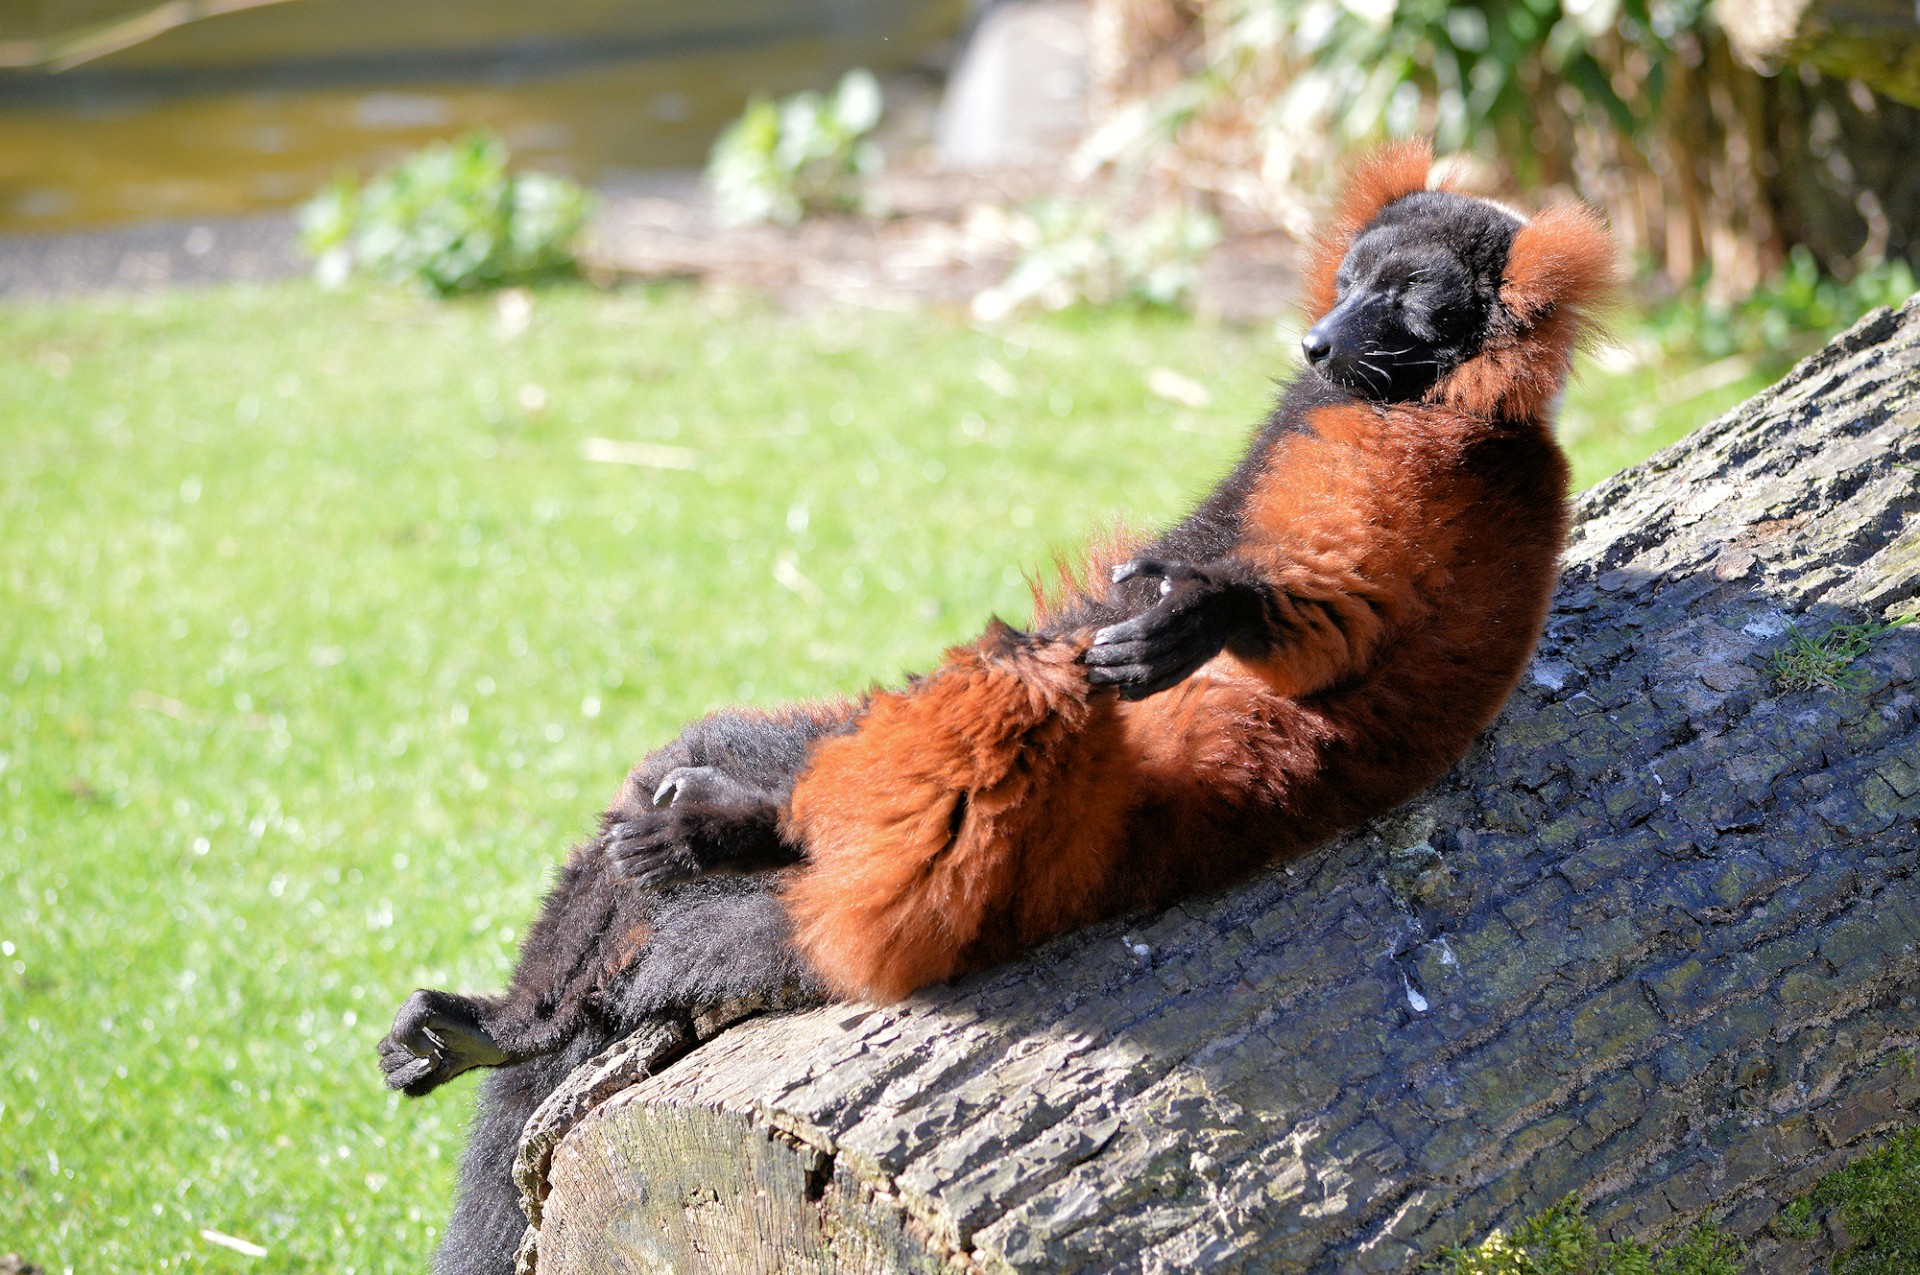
[1002, 800]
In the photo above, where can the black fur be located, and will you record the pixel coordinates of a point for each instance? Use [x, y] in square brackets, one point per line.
[672, 910]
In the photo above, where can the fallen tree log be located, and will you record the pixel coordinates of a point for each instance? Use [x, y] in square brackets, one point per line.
[1655, 943]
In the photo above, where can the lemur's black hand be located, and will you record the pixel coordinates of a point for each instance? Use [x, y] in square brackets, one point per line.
[702, 821]
[1198, 612]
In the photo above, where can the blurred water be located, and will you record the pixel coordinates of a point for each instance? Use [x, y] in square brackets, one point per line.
[258, 108]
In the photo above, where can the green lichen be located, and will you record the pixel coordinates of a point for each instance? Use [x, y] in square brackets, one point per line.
[1877, 1201]
[1560, 1241]
[1825, 662]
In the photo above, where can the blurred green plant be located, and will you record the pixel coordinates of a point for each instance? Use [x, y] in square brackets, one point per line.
[449, 219]
[1291, 86]
[1560, 1241]
[1074, 252]
[803, 155]
[1791, 311]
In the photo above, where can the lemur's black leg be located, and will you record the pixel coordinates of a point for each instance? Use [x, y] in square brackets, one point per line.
[724, 780]
[588, 928]
[484, 1233]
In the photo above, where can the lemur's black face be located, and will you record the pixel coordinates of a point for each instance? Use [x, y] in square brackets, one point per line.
[1414, 297]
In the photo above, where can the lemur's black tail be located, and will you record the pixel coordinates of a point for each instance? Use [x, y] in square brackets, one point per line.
[485, 1231]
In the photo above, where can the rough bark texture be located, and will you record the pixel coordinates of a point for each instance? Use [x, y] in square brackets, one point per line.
[1874, 41]
[1655, 942]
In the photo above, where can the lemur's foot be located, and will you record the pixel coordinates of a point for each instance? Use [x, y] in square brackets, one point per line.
[435, 1037]
[703, 821]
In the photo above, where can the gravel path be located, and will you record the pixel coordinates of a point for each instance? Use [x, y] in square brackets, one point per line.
[150, 256]
[941, 246]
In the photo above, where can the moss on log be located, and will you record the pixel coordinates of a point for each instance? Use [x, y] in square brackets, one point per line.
[1655, 942]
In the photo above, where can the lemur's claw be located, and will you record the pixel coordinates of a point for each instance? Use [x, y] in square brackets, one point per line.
[1167, 571]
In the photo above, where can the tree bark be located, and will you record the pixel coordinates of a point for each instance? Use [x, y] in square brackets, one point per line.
[1655, 942]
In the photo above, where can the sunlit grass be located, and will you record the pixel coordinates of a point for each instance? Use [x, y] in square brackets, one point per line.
[1628, 401]
[321, 638]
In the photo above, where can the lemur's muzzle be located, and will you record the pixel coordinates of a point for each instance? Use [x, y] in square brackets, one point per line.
[1334, 343]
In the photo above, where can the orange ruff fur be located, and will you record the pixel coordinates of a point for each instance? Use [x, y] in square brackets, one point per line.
[1412, 548]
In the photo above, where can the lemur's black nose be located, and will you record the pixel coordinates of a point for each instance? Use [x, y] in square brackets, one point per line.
[1316, 346]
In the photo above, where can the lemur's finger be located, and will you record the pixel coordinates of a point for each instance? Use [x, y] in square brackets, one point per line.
[406, 1078]
[1166, 618]
[666, 870]
[1137, 681]
[664, 794]
[640, 843]
[1154, 648]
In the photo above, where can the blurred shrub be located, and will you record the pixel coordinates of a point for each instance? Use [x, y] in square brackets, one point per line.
[1274, 92]
[1074, 252]
[1790, 312]
[448, 219]
[1702, 165]
[806, 154]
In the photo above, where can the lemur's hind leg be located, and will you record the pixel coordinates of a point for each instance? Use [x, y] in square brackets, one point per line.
[724, 782]
[589, 928]
[484, 1232]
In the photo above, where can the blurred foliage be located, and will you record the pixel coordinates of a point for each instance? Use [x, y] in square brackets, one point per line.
[1300, 83]
[1703, 166]
[803, 155]
[1791, 312]
[449, 219]
[1560, 1241]
[1075, 251]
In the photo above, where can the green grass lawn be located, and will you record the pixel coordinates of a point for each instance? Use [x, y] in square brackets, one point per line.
[321, 638]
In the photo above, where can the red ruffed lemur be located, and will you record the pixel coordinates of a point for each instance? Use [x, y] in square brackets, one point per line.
[1316, 642]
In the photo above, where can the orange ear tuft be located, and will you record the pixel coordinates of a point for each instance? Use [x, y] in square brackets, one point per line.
[1561, 268]
[1389, 173]
[1563, 258]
